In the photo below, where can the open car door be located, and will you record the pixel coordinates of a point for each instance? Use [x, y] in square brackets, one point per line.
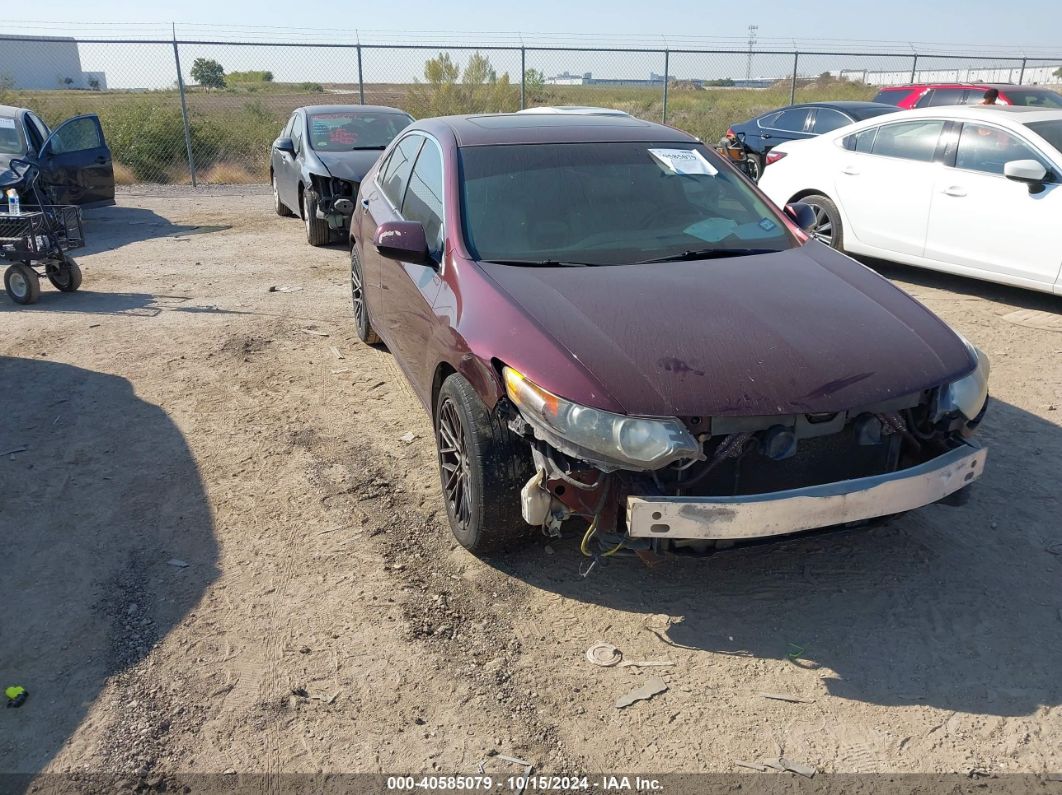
[75, 163]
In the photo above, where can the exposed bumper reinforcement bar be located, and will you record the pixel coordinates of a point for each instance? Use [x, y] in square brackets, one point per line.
[795, 510]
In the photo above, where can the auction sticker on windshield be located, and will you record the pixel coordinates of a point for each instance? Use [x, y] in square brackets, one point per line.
[683, 161]
[6, 122]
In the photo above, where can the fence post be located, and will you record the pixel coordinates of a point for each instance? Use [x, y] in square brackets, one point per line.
[523, 78]
[914, 68]
[1021, 74]
[667, 55]
[792, 84]
[361, 80]
[184, 112]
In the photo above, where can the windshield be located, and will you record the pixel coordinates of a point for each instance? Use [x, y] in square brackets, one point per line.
[1034, 99]
[10, 140]
[609, 204]
[1050, 131]
[344, 131]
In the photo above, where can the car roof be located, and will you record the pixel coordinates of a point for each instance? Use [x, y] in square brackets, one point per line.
[575, 109]
[1000, 86]
[1005, 114]
[10, 110]
[348, 108]
[844, 104]
[532, 128]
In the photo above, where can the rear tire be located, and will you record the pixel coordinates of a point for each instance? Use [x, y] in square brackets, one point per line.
[317, 231]
[22, 284]
[279, 206]
[481, 469]
[755, 166]
[828, 228]
[357, 296]
[65, 277]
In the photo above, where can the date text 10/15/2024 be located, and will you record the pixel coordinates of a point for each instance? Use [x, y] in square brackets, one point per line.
[530, 783]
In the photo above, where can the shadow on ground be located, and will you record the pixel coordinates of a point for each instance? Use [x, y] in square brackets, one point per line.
[954, 607]
[98, 491]
[108, 228]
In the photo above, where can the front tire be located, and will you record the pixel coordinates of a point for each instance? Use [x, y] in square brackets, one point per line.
[481, 469]
[65, 277]
[827, 227]
[317, 232]
[357, 296]
[755, 166]
[22, 284]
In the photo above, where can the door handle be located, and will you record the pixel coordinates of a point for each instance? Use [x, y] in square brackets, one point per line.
[954, 190]
[101, 160]
[765, 136]
[850, 171]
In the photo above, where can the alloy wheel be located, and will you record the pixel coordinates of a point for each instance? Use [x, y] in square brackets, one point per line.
[822, 229]
[356, 294]
[453, 459]
[276, 194]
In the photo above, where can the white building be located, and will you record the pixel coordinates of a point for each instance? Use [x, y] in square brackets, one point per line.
[44, 62]
[1033, 75]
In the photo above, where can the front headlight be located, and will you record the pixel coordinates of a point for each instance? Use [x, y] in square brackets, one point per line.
[968, 395]
[611, 441]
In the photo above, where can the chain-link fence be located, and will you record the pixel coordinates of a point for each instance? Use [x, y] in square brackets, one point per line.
[201, 111]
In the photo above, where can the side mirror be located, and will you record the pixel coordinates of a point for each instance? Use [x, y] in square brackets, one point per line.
[285, 145]
[801, 214]
[402, 240]
[1030, 172]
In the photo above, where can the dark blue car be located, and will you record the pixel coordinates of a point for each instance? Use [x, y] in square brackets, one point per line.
[795, 122]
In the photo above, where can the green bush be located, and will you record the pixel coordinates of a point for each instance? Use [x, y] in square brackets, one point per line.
[148, 137]
[249, 77]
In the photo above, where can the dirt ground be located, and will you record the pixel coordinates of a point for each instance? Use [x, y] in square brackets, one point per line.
[220, 556]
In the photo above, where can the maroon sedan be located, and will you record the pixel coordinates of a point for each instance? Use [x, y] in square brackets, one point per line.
[607, 321]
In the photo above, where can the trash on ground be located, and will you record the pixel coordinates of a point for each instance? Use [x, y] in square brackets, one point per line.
[604, 654]
[284, 288]
[751, 765]
[795, 652]
[785, 697]
[377, 385]
[808, 771]
[644, 663]
[653, 687]
[315, 332]
[335, 352]
[16, 695]
[301, 692]
[341, 370]
[178, 563]
[407, 437]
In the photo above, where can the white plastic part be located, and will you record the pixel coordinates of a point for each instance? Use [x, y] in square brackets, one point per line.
[535, 500]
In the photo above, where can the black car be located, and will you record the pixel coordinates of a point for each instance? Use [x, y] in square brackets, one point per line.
[320, 158]
[795, 122]
[74, 160]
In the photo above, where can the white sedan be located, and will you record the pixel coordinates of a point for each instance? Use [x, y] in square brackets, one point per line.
[971, 190]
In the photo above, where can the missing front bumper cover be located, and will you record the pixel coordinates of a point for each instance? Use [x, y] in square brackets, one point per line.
[795, 510]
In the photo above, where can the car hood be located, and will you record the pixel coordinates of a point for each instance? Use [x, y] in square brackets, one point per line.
[352, 166]
[801, 331]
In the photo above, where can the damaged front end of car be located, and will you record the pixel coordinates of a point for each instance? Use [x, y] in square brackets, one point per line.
[335, 200]
[696, 484]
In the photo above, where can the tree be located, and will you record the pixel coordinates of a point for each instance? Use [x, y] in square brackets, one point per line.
[256, 76]
[208, 72]
[1058, 72]
[94, 83]
[449, 90]
[535, 85]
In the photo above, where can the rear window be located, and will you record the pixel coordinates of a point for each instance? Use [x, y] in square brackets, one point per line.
[942, 96]
[346, 131]
[1034, 98]
[10, 140]
[891, 96]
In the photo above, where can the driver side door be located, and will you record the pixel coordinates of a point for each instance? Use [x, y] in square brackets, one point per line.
[75, 163]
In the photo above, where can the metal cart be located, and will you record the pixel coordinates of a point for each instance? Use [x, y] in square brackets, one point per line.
[36, 240]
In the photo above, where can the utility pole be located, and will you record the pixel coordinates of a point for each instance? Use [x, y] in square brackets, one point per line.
[752, 43]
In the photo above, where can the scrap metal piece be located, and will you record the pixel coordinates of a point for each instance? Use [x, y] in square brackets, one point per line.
[785, 697]
[807, 771]
[751, 765]
[653, 687]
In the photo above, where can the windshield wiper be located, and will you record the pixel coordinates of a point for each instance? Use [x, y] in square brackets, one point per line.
[709, 253]
[365, 148]
[542, 263]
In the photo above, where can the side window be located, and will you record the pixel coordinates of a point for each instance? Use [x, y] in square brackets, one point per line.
[396, 175]
[941, 96]
[76, 135]
[296, 132]
[913, 140]
[891, 97]
[791, 120]
[423, 200]
[286, 132]
[862, 141]
[988, 149]
[827, 119]
[768, 120]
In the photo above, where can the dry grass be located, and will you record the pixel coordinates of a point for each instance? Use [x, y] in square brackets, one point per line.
[123, 175]
[217, 174]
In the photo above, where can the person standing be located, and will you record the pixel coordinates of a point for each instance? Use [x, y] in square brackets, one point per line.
[990, 97]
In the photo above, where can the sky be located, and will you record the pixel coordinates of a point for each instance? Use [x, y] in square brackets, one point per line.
[974, 26]
[1032, 23]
